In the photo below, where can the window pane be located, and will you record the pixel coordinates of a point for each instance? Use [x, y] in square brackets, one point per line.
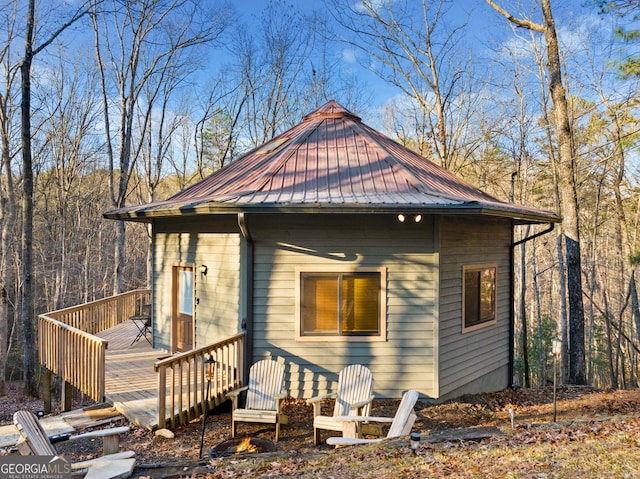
[360, 303]
[471, 298]
[479, 296]
[185, 293]
[319, 304]
[487, 294]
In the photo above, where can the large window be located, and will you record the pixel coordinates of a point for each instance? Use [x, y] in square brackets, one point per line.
[479, 296]
[345, 305]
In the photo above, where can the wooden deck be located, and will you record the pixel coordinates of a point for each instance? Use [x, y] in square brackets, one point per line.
[89, 347]
[131, 384]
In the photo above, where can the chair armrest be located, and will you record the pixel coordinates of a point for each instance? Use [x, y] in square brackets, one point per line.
[236, 392]
[363, 419]
[110, 438]
[361, 404]
[316, 399]
[281, 396]
[316, 402]
[101, 433]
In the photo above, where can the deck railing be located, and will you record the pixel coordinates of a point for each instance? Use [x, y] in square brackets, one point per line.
[103, 314]
[183, 378]
[66, 344]
[73, 355]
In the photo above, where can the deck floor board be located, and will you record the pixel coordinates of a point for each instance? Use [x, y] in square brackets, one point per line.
[131, 383]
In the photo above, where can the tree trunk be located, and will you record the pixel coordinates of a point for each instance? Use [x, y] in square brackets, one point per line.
[7, 220]
[27, 307]
[569, 201]
[542, 357]
[564, 326]
[119, 257]
[613, 370]
[593, 280]
[523, 313]
[635, 306]
[566, 185]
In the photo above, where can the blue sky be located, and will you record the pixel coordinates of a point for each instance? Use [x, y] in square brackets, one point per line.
[487, 27]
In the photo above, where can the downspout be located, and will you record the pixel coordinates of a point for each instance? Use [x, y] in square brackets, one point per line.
[512, 314]
[247, 322]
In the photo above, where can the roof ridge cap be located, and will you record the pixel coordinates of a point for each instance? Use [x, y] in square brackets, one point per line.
[331, 109]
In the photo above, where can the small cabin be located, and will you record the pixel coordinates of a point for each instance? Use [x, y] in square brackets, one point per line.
[331, 245]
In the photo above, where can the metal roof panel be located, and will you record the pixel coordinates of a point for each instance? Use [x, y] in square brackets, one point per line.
[330, 158]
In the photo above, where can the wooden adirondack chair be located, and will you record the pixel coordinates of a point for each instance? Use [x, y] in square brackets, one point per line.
[401, 423]
[265, 393]
[353, 398]
[34, 441]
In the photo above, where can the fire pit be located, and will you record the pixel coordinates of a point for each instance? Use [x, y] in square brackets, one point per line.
[242, 447]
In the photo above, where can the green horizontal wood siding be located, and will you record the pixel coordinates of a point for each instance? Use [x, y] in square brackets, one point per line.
[472, 355]
[211, 243]
[406, 359]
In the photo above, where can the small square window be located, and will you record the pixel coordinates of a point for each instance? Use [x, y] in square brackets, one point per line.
[341, 305]
[479, 297]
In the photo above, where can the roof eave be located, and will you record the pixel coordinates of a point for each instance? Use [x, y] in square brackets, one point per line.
[521, 216]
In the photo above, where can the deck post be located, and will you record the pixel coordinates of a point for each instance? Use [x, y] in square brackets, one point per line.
[46, 390]
[67, 396]
[162, 398]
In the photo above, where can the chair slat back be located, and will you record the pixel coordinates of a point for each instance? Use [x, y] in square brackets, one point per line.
[266, 380]
[33, 434]
[404, 418]
[355, 384]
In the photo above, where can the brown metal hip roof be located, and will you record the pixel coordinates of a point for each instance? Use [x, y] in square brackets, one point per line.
[331, 159]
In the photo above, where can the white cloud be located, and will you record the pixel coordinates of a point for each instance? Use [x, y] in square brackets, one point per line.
[349, 55]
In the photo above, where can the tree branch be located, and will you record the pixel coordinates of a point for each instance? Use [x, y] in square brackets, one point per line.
[538, 27]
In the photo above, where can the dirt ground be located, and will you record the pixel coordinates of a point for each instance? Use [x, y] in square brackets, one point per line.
[158, 456]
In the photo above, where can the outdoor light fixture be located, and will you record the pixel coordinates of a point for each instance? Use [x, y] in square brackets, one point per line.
[556, 349]
[415, 440]
[203, 269]
[402, 218]
[208, 363]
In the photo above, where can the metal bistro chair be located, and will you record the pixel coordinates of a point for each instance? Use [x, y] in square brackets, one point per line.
[143, 322]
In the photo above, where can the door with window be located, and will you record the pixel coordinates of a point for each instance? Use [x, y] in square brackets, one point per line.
[182, 317]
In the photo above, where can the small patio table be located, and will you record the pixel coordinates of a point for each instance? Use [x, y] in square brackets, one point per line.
[143, 323]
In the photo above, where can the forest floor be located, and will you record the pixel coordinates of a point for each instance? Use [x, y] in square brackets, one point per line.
[597, 434]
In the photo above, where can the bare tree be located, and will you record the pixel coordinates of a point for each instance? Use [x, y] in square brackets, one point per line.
[71, 109]
[567, 185]
[135, 43]
[7, 187]
[270, 62]
[417, 46]
[217, 124]
[31, 49]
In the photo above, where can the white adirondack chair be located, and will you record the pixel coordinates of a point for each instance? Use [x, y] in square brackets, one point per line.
[265, 393]
[401, 423]
[353, 398]
[34, 441]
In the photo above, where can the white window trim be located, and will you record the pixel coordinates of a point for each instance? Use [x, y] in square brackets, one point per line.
[485, 324]
[337, 269]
